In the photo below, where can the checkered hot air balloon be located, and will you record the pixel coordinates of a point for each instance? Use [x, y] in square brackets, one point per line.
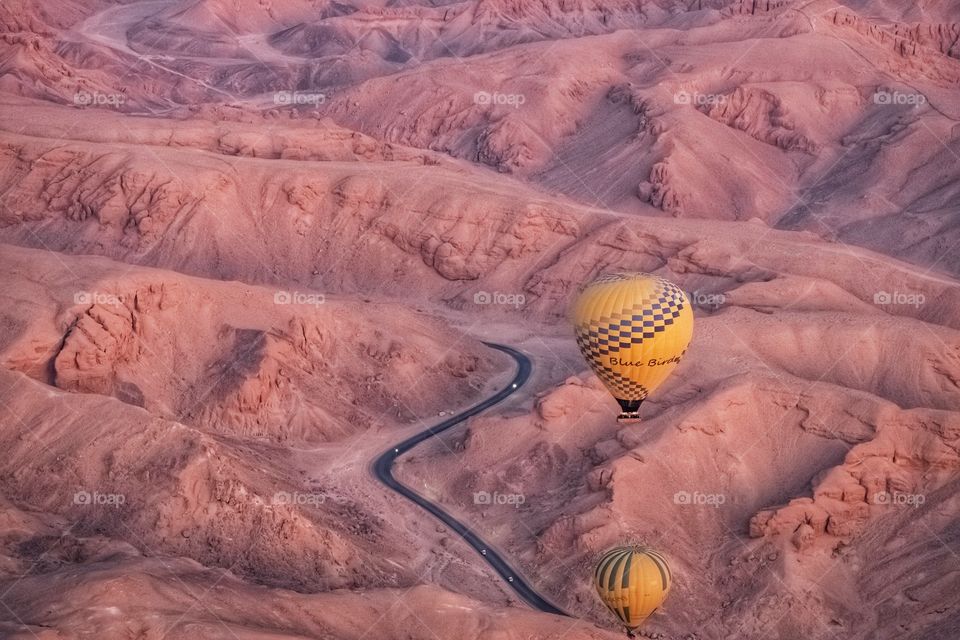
[632, 328]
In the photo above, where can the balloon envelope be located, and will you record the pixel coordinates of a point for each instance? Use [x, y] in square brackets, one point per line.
[632, 328]
[633, 582]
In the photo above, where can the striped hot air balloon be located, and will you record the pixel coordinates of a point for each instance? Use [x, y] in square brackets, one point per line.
[633, 582]
[632, 329]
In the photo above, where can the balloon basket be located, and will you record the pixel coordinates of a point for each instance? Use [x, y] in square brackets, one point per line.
[628, 417]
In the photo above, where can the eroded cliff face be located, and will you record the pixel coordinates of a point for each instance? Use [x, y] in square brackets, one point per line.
[809, 131]
[263, 223]
[275, 363]
[168, 412]
[907, 40]
[178, 492]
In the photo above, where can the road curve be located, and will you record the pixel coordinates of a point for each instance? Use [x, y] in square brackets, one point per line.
[383, 470]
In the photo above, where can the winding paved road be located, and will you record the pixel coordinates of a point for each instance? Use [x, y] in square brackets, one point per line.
[383, 470]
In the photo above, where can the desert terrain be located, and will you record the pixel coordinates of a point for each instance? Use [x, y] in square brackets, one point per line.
[248, 247]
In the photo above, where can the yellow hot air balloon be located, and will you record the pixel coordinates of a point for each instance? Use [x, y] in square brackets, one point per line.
[632, 328]
[633, 582]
